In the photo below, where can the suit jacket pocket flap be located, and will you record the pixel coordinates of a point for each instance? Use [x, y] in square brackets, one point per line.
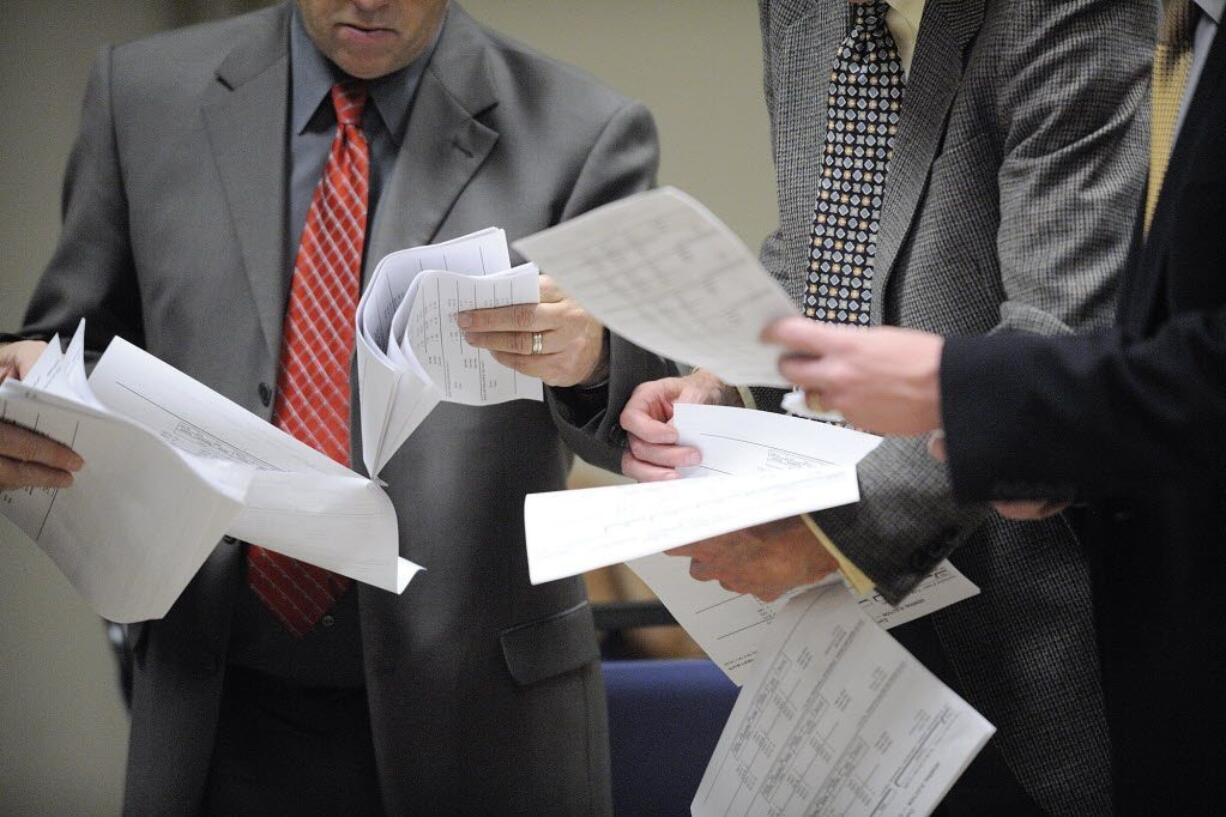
[550, 646]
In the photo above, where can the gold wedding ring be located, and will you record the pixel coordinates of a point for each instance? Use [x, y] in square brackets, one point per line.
[538, 343]
[814, 401]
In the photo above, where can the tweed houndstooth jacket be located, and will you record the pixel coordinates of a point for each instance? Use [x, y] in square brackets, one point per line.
[1009, 204]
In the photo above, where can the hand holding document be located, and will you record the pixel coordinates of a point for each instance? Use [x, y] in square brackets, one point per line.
[663, 272]
[837, 718]
[411, 354]
[171, 467]
[735, 441]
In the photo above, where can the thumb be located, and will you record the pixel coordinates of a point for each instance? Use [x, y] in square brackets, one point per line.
[803, 336]
[550, 291]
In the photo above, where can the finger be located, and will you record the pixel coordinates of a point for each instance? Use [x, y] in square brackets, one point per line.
[802, 335]
[644, 471]
[1034, 511]
[670, 456]
[1023, 511]
[641, 424]
[647, 412]
[810, 373]
[6, 371]
[767, 595]
[701, 571]
[515, 343]
[21, 444]
[18, 474]
[553, 370]
[515, 318]
[550, 292]
[542, 366]
[684, 550]
[936, 446]
[28, 355]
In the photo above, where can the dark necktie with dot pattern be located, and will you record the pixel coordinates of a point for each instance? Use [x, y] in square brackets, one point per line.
[865, 98]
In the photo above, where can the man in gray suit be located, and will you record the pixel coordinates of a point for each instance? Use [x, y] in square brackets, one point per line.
[974, 173]
[212, 162]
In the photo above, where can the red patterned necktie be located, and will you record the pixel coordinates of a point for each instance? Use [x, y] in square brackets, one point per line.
[313, 381]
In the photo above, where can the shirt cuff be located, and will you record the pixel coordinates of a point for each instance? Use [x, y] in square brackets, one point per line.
[859, 582]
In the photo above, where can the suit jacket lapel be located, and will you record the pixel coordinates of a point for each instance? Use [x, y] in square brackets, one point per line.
[444, 144]
[1204, 95]
[246, 114]
[947, 28]
[1140, 296]
[808, 49]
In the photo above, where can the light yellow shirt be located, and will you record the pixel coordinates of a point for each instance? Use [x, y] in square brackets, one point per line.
[903, 20]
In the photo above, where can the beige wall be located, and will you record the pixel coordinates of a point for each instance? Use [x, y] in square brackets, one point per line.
[694, 62]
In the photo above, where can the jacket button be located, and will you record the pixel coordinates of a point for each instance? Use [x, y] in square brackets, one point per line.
[266, 394]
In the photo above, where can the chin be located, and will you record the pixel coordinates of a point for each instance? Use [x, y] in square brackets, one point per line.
[363, 69]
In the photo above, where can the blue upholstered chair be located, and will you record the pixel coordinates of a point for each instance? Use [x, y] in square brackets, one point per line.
[665, 717]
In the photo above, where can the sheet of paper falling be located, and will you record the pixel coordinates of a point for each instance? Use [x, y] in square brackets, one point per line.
[838, 719]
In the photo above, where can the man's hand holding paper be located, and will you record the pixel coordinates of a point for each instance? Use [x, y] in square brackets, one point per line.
[654, 453]
[555, 340]
[885, 379]
[29, 459]
[766, 560]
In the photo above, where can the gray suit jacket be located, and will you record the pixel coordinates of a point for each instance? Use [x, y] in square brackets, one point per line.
[1018, 166]
[485, 692]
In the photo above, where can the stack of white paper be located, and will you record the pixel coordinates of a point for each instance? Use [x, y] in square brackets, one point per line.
[170, 467]
[411, 354]
[735, 441]
[663, 272]
[837, 718]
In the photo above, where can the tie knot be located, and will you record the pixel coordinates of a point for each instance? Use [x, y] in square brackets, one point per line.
[870, 14]
[349, 99]
[1176, 28]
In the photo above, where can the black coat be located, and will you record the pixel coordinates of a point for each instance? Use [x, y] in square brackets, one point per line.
[1132, 422]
